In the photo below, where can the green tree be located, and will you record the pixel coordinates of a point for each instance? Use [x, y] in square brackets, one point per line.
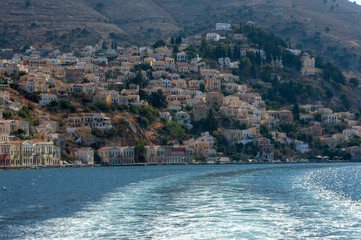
[296, 112]
[139, 79]
[317, 117]
[236, 52]
[345, 101]
[27, 4]
[211, 123]
[159, 43]
[7, 115]
[178, 40]
[264, 131]
[331, 72]
[202, 87]
[354, 82]
[266, 73]
[245, 66]
[139, 151]
[158, 100]
[19, 133]
[229, 53]
[102, 106]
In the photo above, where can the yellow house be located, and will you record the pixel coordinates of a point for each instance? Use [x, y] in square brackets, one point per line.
[15, 153]
[169, 60]
[255, 131]
[159, 66]
[45, 153]
[193, 84]
[213, 84]
[149, 60]
[200, 147]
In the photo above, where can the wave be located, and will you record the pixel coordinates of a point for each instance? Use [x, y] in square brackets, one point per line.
[259, 203]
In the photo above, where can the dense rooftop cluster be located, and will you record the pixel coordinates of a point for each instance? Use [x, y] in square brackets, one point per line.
[234, 93]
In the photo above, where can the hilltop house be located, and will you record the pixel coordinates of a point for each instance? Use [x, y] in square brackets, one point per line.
[223, 26]
[214, 37]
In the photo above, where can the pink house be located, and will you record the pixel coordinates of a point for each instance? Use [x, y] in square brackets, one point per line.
[5, 159]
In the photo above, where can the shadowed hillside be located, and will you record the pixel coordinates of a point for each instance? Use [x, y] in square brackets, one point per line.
[59, 23]
[332, 27]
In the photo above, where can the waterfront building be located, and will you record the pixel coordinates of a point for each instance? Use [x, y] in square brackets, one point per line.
[86, 155]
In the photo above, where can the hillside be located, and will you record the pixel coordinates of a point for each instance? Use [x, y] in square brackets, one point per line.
[143, 20]
[46, 23]
[331, 27]
[127, 127]
[252, 91]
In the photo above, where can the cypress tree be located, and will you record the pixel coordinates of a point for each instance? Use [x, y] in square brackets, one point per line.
[236, 52]
[178, 40]
[296, 112]
[229, 53]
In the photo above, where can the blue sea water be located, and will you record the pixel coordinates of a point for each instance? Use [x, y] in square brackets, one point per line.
[282, 201]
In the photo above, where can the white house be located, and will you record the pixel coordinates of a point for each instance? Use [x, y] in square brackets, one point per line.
[165, 115]
[223, 26]
[247, 136]
[166, 83]
[46, 99]
[330, 119]
[182, 57]
[206, 137]
[182, 118]
[215, 37]
[307, 61]
[350, 132]
[127, 155]
[86, 155]
[302, 147]
[224, 62]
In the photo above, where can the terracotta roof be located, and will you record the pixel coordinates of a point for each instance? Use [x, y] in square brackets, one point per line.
[85, 148]
[105, 148]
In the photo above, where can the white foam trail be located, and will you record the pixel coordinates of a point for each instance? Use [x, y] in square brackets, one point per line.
[211, 207]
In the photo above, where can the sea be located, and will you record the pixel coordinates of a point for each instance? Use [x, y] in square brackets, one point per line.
[242, 201]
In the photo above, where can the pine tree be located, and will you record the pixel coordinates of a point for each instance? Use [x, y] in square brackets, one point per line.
[172, 40]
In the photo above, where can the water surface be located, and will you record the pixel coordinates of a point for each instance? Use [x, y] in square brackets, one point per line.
[293, 201]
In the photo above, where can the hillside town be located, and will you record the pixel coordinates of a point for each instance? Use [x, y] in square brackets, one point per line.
[190, 106]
